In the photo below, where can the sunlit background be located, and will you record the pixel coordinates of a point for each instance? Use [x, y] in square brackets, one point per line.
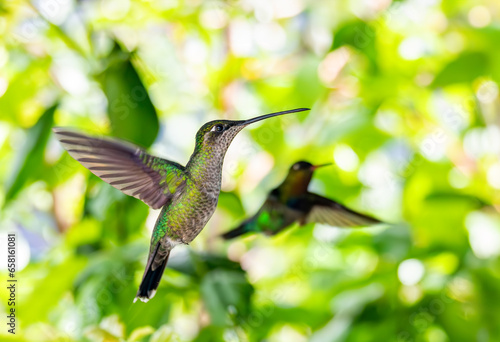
[405, 103]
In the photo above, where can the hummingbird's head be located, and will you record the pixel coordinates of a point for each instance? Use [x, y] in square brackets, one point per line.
[305, 167]
[299, 176]
[303, 170]
[220, 133]
[302, 166]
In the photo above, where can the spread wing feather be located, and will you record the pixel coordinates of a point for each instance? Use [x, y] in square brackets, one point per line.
[125, 166]
[329, 212]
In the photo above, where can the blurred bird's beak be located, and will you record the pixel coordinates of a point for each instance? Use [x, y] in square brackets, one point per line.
[314, 167]
[262, 117]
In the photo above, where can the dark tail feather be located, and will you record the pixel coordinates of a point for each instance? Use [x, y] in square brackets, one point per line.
[235, 232]
[151, 278]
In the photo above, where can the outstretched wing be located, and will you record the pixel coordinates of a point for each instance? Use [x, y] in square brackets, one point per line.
[324, 210]
[271, 219]
[125, 166]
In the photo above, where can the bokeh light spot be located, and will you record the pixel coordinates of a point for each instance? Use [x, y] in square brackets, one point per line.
[457, 179]
[345, 158]
[3, 86]
[484, 235]
[479, 16]
[410, 271]
[114, 9]
[494, 175]
[487, 91]
[270, 36]
[214, 18]
[333, 63]
[412, 48]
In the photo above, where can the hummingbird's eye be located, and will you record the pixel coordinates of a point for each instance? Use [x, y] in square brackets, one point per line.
[217, 128]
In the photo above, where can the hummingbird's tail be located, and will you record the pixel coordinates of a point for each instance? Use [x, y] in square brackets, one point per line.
[152, 275]
[242, 229]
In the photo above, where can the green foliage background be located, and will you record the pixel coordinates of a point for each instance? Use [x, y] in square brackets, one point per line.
[404, 99]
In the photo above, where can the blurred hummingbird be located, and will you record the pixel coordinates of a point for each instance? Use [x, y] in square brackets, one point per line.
[187, 194]
[291, 202]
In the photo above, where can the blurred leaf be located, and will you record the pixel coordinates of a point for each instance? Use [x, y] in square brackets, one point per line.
[164, 334]
[456, 199]
[110, 264]
[198, 264]
[62, 170]
[100, 335]
[131, 112]
[231, 202]
[307, 85]
[465, 68]
[226, 293]
[139, 333]
[110, 329]
[360, 36]
[100, 197]
[24, 86]
[30, 158]
[211, 333]
[52, 283]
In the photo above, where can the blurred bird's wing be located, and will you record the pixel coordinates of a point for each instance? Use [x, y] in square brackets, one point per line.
[271, 218]
[125, 166]
[326, 211]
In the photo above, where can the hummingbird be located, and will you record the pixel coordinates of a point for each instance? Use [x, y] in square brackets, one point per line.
[291, 202]
[187, 195]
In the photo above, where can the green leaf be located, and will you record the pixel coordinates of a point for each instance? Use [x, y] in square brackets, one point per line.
[109, 329]
[456, 199]
[226, 293]
[46, 291]
[231, 202]
[465, 68]
[360, 36]
[197, 265]
[164, 334]
[30, 157]
[139, 333]
[23, 87]
[131, 112]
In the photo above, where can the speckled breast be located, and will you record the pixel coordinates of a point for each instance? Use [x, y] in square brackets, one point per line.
[198, 205]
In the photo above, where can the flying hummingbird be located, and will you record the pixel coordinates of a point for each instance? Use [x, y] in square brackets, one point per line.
[291, 202]
[187, 194]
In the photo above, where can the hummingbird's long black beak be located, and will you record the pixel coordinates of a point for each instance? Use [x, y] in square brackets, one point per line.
[262, 117]
[314, 167]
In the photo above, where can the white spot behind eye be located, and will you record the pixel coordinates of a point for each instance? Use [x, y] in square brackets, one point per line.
[217, 128]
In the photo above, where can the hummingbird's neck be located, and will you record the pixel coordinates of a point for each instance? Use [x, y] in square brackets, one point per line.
[205, 167]
[295, 184]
